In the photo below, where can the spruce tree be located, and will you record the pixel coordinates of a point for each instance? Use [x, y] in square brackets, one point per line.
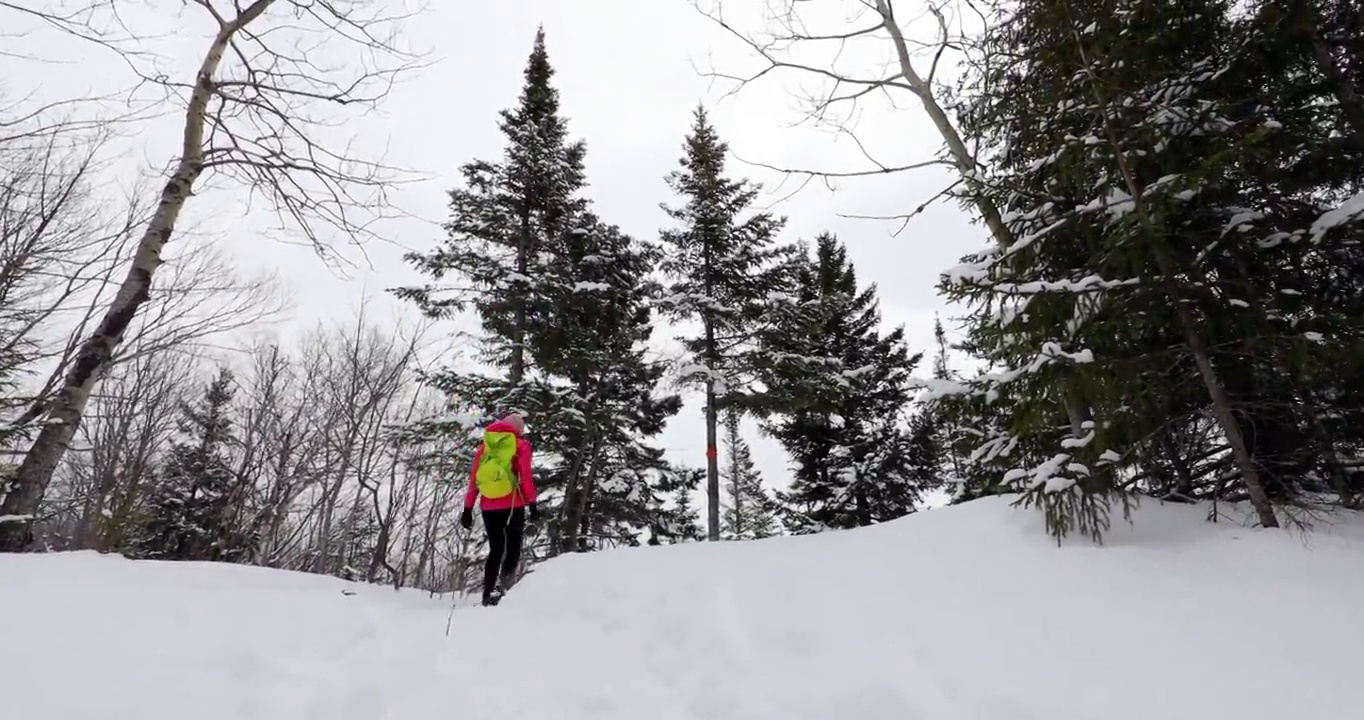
[1299, 379]
[604, 406]
[192, 512]
[1047, 308]
[564, 300]
[953, 437]
[722, 266]
[510, 220]
[750, 511]
[842, 398]
[505, 221]
[680, 522]
[1150, 159]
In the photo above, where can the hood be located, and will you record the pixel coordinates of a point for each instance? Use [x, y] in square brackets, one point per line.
[503, 426]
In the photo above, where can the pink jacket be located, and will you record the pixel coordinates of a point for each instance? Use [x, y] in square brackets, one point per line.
[525, 496]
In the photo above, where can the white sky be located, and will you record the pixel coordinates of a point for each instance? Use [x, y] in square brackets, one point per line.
[628, 77]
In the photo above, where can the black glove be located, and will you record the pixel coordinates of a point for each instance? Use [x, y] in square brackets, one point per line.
[466, 519]
[534, 511]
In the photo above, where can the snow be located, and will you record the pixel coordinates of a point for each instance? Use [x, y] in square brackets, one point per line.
[1241, 220]
[960, 613]
[1347, 212]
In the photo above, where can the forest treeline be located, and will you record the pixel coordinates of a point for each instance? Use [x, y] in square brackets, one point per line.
[1171, 307]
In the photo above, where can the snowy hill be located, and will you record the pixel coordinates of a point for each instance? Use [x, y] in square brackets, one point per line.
[964, 613]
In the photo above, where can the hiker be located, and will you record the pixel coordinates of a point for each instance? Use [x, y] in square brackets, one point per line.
[501, 477]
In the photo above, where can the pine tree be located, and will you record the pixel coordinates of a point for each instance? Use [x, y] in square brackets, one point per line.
[504, 222]
[722, 267]
[192, 513]
[509, 221]
[680, 522]
[1152, 168]
[352, 541]
[605, 404]
[955, 431]
[1047, 310]
[1302, 280]
[842, 392]
[750, 512]
[564, 300]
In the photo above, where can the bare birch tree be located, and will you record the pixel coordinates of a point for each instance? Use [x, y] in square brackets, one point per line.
[58, 248]
[437, 554]
[337, 472]
[433, 467]
[102, 479]
[203, 298]
[340, 487]
[246, 119]
[62, 243]
[865, 56]
[371, 370]
[280, 441]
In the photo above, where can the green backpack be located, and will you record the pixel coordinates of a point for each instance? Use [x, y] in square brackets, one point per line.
[495, 477]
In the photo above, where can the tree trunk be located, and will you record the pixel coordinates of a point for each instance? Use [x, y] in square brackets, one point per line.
[562, 535]
[516, 370]
[712, 461]
[1221, 402]
[962, 158]
[1189, 325]
[575, 509]
[68, 405]
[965, 163]
[736, 496]
[1184, 480]
[378, 558]
[584, 526]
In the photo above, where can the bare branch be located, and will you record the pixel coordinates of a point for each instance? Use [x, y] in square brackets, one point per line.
[60, 246]
[203, 297]
[786, 42]
[905, 218]
[249, 115]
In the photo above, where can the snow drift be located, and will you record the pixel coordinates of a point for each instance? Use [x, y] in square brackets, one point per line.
[963, 613]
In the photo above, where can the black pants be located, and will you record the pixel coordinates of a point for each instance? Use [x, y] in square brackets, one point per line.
[505, 529]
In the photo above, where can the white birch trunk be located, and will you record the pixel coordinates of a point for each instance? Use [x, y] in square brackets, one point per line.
[65, 410]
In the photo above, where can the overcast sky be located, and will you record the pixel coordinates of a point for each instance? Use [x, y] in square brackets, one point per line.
[629, 73]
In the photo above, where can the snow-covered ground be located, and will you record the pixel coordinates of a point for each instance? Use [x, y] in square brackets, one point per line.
[963, 613]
